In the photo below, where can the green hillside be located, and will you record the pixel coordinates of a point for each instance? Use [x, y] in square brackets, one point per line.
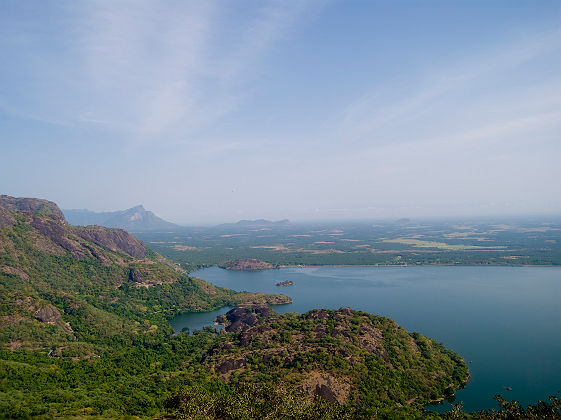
[85, 309]
[84, 332]
[342, 356]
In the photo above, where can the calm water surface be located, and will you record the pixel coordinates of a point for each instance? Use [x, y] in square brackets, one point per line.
[504, 321]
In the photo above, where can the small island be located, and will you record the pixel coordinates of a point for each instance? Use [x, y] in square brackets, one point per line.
[246, 264]
[285, 283]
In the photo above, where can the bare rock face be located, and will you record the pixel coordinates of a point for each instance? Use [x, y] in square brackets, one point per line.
[56, 232]
[135, 276]
[6, 219]
[116, 240]
[230, 364]
[326, 386]
[56, 236]
[48, 314]
[46, 218]
[244, 316]
[51, 315]
[32, 206]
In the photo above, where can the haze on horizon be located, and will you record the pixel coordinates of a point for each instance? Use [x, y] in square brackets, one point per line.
[219, 111]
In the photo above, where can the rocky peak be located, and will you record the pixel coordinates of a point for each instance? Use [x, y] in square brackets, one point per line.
[31, 206]
[54, 236]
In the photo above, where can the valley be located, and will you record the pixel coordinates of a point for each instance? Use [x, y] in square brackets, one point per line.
[521, 241]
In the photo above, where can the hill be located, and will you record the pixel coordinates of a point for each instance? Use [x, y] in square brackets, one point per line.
[135, 219]
[366, 364]
[53, 274]
[83, 316]
[84, 332]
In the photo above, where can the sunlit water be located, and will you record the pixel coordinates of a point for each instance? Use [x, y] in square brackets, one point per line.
[505, 321]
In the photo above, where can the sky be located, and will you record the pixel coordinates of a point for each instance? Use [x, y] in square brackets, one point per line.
[215, 111]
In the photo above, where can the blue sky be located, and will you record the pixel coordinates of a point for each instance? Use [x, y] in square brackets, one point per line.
[216, 111]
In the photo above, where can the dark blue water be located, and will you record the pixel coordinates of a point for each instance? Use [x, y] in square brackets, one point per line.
[505, 321]
[197, 320]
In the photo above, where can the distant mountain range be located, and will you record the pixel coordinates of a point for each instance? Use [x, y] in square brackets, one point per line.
[135, 219]
[258, 223]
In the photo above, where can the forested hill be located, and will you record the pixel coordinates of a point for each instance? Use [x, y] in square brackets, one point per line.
[84, 332]
[341, 356]
[67, 288]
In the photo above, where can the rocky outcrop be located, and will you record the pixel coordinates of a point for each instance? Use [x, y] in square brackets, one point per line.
[32, 206]
[327, 387]
[56, 233]
[48, 314]
[322, 314]
[230, 364]
[327, 354]
[135, 276]
[51, 229]
[285, 283]
[244, 316]
[54, 236]
[116, 240]
[6, 218]
[246, 264]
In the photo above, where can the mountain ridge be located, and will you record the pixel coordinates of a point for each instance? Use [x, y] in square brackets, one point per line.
[106, 272]
[254, 224]
[136, 219]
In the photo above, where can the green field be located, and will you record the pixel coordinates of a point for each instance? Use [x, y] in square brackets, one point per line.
[495, 242]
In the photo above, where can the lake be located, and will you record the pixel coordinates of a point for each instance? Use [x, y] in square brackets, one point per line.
[504, 321]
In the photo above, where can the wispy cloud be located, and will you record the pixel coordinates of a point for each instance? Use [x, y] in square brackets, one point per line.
[153, 70]
[331, 106]
[453, 89]
[23, 114]
[170, 71]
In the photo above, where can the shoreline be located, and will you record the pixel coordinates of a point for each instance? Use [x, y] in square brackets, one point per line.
[413, 265]
[383, 266]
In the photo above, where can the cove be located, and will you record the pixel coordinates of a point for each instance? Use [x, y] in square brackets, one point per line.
[504, 321]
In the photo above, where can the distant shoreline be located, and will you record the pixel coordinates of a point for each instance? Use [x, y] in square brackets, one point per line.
[417, 265]
[393, 265]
